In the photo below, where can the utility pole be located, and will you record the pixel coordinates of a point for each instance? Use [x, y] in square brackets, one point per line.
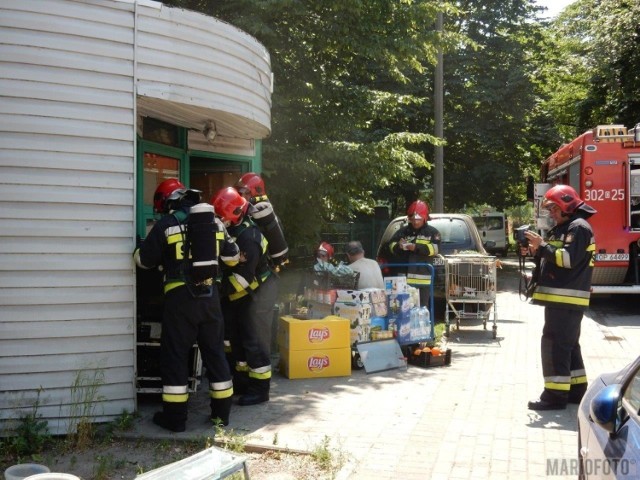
[438, 179]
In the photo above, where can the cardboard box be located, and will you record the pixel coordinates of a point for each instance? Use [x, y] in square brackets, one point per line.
[357, 313]
[320, 334]
[334, 362]
[360, 333]
[394, 285]
[377, 295]
[400, 303]
[379, 309]
[353, 296]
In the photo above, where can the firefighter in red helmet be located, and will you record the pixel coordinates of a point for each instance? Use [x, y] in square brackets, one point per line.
[564, 261]
[249, 292]
[251, 187]
[191, 313]
[324, 252]
[417, 242]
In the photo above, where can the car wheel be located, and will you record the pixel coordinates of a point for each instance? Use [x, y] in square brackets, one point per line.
[356, 362]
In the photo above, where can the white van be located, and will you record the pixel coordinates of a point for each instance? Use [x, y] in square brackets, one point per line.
[494, 230]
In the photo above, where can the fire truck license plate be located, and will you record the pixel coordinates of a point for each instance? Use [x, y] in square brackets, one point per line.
[612, 257]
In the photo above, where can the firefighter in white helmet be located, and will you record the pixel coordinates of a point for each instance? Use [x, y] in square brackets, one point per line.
[565, 261]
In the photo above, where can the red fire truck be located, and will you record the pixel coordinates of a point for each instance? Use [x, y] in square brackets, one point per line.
[603, 165]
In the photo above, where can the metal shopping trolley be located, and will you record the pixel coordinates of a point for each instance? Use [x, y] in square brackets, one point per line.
[470, 289]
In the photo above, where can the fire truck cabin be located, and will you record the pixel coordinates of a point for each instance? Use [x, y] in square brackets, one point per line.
[603, 165]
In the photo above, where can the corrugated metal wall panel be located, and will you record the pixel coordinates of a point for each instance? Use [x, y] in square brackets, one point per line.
[63, 278]
[117, 375]
[67, 162]
[96, 344]
[21, 313]
[59, 329]
[207, 63]
[43, 363]
[43, 297]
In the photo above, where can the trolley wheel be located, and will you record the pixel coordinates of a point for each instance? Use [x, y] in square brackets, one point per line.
[356, 361]
[495, 331]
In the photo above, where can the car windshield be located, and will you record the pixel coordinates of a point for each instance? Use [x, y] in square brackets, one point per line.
[454, 234]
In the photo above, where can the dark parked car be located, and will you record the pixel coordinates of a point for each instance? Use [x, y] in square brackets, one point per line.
[459, 235]
[609, 426]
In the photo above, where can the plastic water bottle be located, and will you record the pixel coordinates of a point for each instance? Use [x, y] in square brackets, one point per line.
[414, 324]
[424, 322]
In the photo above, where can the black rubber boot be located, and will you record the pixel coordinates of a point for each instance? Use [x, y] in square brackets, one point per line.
[577, 392]
[549, 400]
[240, 383]
[173, 417]
[220, 409]
[257, 392]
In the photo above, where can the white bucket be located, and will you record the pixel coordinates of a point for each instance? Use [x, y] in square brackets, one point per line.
[53, 476]
[24, 470]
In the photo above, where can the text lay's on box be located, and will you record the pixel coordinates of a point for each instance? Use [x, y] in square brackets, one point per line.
[327, 333]
[332, 362]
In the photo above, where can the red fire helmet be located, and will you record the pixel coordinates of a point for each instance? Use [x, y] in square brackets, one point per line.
[253, 183]
[229, 205]
[564, 196]
[165, 191]
[418, 210]
[325, 247]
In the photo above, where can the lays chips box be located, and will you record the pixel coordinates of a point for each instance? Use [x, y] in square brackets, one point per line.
[314, 334]
[314, 348]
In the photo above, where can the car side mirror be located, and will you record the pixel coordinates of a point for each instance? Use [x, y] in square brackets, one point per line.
[604, 407]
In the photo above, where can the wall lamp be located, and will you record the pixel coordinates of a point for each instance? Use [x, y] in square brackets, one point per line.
[210, 131]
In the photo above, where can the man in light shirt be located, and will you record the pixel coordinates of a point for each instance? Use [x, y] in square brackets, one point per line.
[370, 274]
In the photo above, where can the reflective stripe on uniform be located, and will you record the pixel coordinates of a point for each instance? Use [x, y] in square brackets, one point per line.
[418, 279]
[242, 367]
[260, 373]
[562, 296]
[563, 259]
[433, 249]
[171, 285]
[219, 390]
[558, 383]
[175, 393]
[578, 376]
[239, 282]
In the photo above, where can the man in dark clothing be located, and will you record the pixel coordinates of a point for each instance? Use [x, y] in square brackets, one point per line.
[192, 311]
[249, 293]
[563, 287]
[414, 243]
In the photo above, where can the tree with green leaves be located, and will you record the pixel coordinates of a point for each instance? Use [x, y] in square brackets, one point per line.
[351, 114]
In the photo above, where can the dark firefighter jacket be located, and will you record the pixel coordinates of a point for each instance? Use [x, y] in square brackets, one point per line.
[254, 267]
[566, 263]
[427, 241]
[163, 246]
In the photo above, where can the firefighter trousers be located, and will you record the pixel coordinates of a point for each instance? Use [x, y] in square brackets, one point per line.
[565, 378]
[250, 324]
[187, 321]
